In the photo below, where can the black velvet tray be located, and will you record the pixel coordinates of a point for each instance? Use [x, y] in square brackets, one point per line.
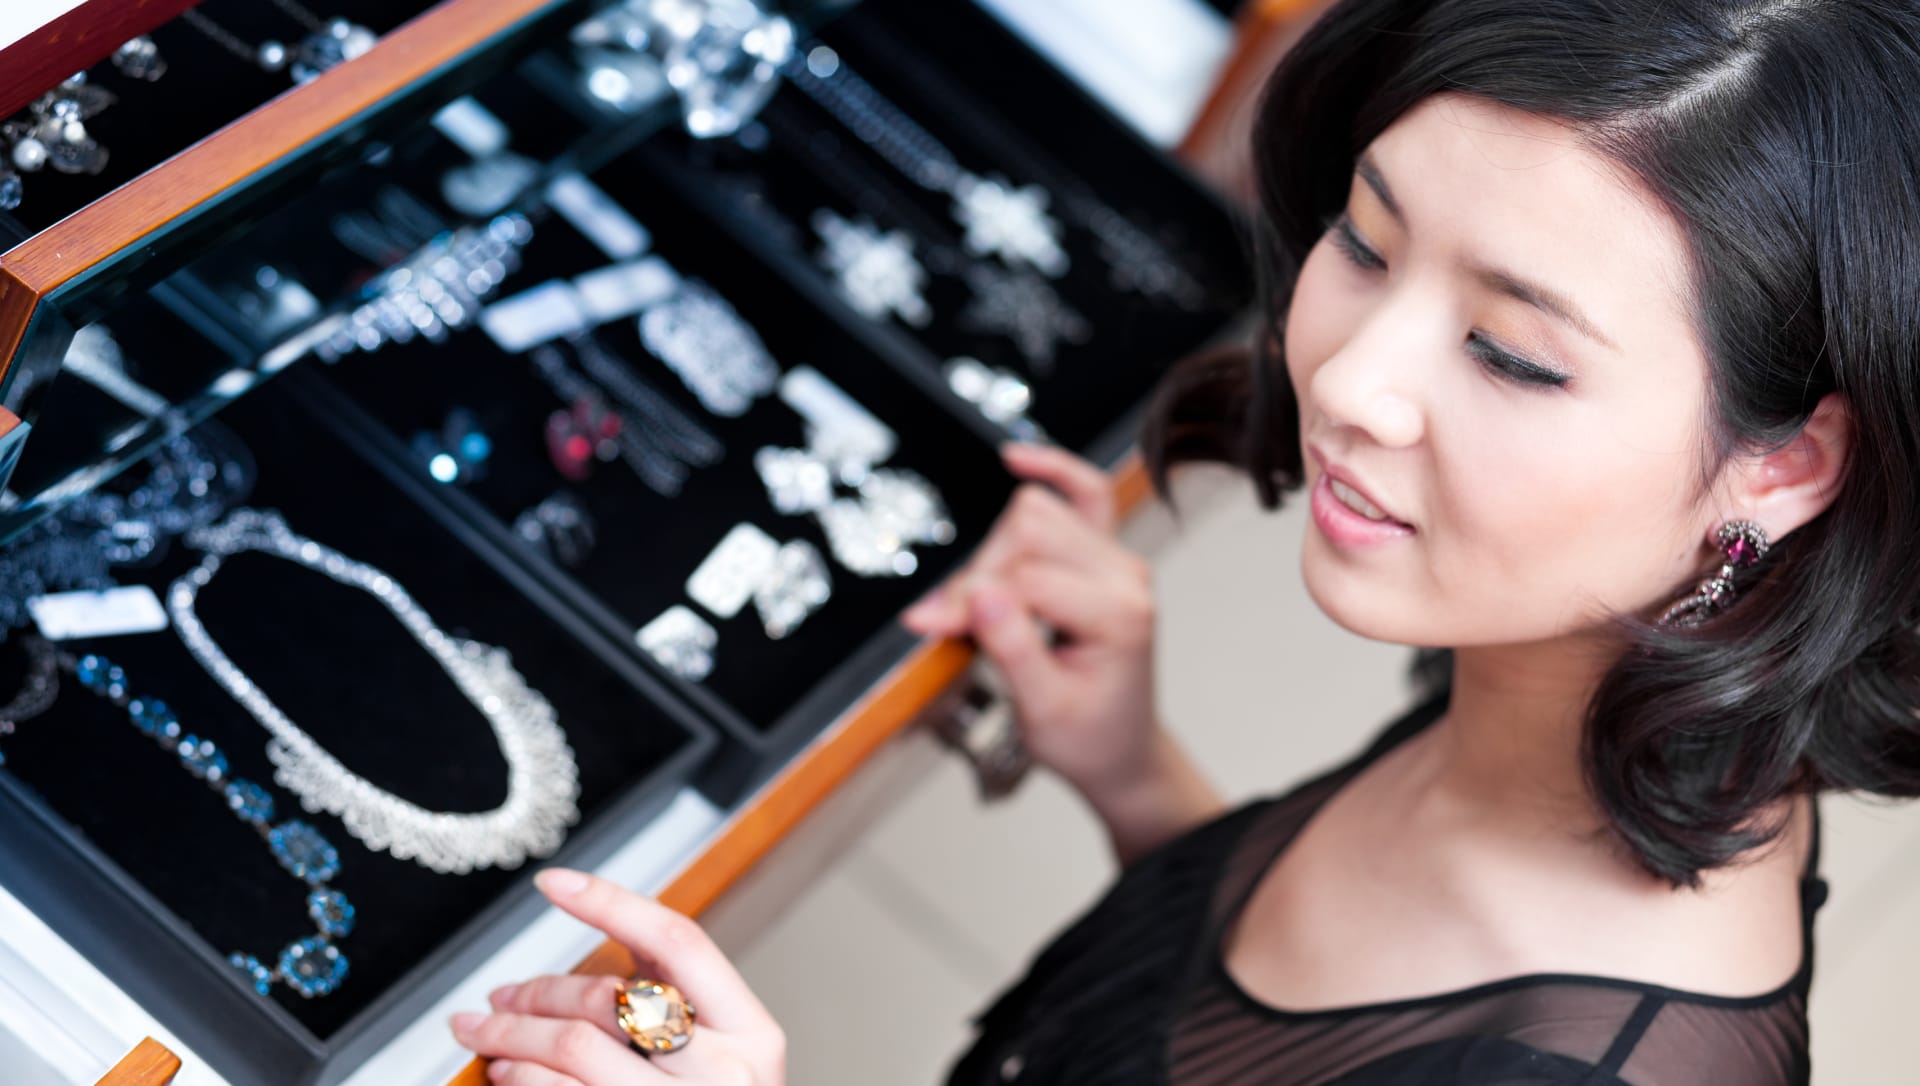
[176, 878]
[1002, 109]
[769, 693]
[204, 88]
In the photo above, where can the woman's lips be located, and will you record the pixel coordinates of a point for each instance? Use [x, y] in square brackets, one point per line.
[1344, 525]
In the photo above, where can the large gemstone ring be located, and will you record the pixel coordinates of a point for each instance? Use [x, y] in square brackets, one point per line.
[654, 1016]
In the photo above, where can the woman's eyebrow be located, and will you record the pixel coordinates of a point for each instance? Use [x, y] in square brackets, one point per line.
[1543, 298]
[1546, 299]
[1370, 173]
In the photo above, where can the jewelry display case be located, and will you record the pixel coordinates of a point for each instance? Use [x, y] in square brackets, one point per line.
[608, 374]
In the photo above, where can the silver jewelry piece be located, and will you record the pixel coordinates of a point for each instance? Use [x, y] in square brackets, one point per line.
[561, 526]
[1024, 308]
[721, 58]
[793, 589]
[715, 352]
[139, 58]
[1000, 219]
[797, 481]
[435, 291]
[876, 270]
[543, 778]
[38, 690]
[872, 533]
[1001, 396]
[680, 641]
[53, 132]
[487, 185]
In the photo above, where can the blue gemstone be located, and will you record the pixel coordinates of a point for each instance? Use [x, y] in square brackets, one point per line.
[475, 447]
[313, 966]
[250, 801]
[331, 910]
[257, 974]
[203, 759]
[302, 851]
[99, 675]
[152, 716]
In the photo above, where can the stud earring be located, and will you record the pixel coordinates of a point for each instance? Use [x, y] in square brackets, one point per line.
[1743, 543]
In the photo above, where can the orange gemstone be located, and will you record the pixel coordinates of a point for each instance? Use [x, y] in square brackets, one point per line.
[655, 1015]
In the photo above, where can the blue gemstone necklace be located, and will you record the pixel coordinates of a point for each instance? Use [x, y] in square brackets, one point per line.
[311, 965]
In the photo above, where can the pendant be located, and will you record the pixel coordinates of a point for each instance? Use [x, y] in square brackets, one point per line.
[1025, 309]
[877, 273]
[1009, 223]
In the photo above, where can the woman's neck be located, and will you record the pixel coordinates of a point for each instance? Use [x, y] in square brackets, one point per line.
[1509, 745]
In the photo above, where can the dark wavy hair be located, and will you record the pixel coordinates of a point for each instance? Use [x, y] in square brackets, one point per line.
[1781, 135]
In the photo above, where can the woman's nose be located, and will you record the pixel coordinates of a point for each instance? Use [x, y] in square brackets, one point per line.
[1369, 384]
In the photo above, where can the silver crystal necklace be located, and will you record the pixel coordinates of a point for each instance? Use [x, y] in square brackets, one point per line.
[543, 778]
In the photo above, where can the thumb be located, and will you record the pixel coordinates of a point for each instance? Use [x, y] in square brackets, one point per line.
[1014, 640]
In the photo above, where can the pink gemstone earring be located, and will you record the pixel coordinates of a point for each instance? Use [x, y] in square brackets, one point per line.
[1744, 543]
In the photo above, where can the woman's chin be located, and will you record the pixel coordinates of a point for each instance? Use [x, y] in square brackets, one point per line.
[1366, 603]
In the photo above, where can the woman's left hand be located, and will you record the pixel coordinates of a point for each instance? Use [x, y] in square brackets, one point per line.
[562, 1030]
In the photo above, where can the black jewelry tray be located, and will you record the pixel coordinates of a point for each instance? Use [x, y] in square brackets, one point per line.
[142, 868]
[204, 88]
[769, 696]
[1002, 109]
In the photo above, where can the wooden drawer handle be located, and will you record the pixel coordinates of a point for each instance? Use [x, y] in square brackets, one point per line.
[149, 1064]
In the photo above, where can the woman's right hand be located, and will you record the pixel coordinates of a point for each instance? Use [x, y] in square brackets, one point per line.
[1067, 614]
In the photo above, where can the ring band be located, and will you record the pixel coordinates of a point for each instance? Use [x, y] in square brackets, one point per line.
[654, 1016]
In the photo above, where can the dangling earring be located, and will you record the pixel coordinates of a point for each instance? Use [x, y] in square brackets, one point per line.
[1744, 543]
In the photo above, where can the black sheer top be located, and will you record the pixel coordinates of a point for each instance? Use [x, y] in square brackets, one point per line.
[1137, 991]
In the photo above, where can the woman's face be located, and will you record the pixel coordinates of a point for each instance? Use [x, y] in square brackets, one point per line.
[1493, 348]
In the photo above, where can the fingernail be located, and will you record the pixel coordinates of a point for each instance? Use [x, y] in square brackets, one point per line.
[466, 1022]
[502, 995]
[499, 1069]
[560, 882]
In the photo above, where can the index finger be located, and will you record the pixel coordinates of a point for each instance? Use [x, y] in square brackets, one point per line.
[1087, 488]
[664, 940]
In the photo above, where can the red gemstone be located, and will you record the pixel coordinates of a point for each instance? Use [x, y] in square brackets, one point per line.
[1741, 552]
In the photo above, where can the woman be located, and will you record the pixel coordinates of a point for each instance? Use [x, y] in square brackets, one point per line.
[1594, 347]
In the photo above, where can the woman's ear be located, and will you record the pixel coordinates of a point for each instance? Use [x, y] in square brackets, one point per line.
[1784, 489]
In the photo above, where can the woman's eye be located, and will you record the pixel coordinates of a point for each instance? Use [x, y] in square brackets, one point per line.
[1511, 367]
[1347, 240]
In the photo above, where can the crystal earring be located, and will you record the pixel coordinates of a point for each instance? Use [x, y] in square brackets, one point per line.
[1743, 543]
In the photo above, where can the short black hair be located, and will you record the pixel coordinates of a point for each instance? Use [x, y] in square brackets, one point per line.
[1781, 136]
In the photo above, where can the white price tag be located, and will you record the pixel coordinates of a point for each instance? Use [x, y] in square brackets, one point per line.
[621, 290]
[472, 127]
[534, 316]
[110, 612]
[727, 579]
[598, 216]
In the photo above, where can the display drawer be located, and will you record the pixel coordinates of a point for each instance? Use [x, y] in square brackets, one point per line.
[136, 862]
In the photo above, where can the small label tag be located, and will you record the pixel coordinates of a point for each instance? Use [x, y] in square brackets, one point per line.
[840, 425]
[727, 579]
[472, 127]
[133, 609]
[535, 316]
[595, 214]
[621, 290]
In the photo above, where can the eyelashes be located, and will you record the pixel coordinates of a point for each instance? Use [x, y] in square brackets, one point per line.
[1347, 240]
[1498, 361]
